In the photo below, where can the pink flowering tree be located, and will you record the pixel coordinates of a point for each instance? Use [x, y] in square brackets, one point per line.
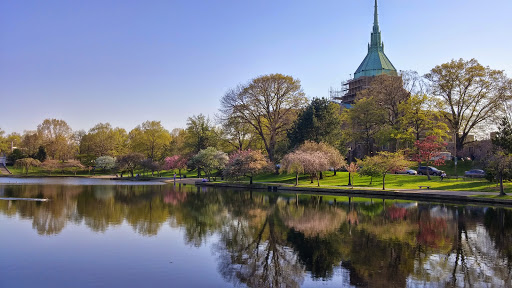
[429, 150]
[333, 155]
[315, 163]
[176, 162]
[311, 163]
[293, 163]
[246, 163]
[351, 168]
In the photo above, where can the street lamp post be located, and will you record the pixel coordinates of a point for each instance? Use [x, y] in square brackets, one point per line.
[455, 153]
[349, 168]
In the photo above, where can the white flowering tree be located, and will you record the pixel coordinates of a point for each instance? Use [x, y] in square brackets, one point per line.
[209, 160]
[105, 162]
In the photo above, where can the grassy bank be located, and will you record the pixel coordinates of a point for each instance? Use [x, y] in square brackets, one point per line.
[393, 181]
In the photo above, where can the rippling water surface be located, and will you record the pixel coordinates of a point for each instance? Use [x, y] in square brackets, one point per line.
[100, 233]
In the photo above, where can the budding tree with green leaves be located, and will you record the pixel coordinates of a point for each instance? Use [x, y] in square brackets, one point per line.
[470, 95]
[26, 164]
[382, 164]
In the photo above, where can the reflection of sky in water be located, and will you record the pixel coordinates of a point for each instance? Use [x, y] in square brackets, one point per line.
[116, 258]
[73, 181]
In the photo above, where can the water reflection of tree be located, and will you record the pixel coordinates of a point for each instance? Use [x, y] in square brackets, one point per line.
[472, 259]
[253, 249]
[269, 240]
[48, 218]
[201, 215]
[499, 225]
[98, 211]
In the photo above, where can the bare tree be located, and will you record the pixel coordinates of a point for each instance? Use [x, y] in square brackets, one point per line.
[269, 104]
[414, 83]
[388, 91]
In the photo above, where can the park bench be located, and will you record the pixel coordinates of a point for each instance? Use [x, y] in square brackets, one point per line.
[421, 187]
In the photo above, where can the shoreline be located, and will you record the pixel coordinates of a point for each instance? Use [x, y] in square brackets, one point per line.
[446, 196]
[168, 180]
[454, 197]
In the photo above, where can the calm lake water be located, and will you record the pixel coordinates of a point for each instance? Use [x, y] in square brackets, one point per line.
[90, 234]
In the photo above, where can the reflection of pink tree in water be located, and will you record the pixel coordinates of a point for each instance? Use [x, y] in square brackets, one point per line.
[432, 232]
[397, 213]
[175, 197]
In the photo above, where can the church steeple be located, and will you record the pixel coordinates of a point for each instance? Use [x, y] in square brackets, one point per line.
[376, 42]
[375, 62]
[375, 18]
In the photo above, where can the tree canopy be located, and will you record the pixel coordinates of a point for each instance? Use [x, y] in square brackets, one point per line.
[320, 121]
[470, 94]
[269, 104]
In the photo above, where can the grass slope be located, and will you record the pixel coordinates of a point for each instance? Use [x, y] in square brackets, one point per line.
[393, 181]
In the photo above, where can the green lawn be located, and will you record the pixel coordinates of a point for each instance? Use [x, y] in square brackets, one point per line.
[393, 181]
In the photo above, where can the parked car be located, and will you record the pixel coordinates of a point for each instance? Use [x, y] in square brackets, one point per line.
[475, 173]
[422, 170]
[407, 171]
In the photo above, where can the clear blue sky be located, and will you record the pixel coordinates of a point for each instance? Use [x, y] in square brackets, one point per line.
[125, 61]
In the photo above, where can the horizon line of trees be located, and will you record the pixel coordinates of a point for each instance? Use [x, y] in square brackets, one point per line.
[271, 114]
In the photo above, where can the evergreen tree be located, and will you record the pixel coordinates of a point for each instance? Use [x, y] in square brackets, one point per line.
[319, 122]
[503, 138]
[41, 154]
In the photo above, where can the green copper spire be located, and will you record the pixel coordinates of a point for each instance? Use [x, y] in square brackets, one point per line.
[375, 62]
[376, 39]
[375, 19]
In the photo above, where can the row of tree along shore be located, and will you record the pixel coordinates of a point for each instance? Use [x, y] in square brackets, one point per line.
[269, 122]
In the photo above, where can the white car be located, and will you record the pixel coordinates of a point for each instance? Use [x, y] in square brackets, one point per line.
[408, 171]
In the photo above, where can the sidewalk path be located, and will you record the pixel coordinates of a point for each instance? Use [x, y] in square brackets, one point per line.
[4, 171]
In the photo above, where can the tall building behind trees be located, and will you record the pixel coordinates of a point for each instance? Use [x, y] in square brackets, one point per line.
[375, 63]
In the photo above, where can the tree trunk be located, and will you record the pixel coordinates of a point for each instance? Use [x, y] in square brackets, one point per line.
[296, 179]
[318, 181]
[384, 181]
[334, 171]
[321, 175]
[250, 180]
[349, 179]
[502, 191]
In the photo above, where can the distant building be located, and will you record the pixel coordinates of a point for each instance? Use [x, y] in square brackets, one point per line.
[375, 63]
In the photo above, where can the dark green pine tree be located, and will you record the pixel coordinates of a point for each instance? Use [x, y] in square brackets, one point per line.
[503, 138]
[320, 121]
